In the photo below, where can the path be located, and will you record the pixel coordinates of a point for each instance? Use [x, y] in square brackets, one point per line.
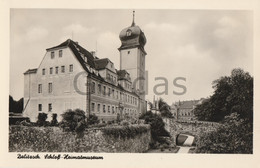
[187, 144]
[184, 149]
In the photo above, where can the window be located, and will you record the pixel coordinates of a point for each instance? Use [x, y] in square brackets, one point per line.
[50, 88]
[113, 93]
[104, 108]
[71, 68]
[40, 88]
[99, 89]
[52, 55]
[116, 94]
[60, 53]
[51, 69]
[43, 71]
[109, 92]
[93, 87]
[50, 107]
[62, 69]
[128, 33]
[113, 109]
[98, 108]
[93, 107]
[56, 70]
[108, 76]
[39, 107]
[104, 90]
[128, 52]
[108, 109]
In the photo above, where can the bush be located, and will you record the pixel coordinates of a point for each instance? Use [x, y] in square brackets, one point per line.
[54, 121]
[73, 120]
[42, 119]
[93, 119]
[235, 135]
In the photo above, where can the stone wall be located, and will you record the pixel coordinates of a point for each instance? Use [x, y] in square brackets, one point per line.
[194, 128]
[53, 139]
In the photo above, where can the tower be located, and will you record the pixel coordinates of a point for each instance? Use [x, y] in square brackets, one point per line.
[132, 56]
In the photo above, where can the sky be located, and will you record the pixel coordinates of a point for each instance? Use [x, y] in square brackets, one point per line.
[199, 46]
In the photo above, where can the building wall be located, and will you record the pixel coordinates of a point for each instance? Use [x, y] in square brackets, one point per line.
[65, 90]
[129, 101]
[133, 61]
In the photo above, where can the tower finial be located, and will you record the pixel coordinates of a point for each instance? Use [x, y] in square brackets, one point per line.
[133, 23]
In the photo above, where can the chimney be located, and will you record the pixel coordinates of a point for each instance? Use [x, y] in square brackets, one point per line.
[93, 53]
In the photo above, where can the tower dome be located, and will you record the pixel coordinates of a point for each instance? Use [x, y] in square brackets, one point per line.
[132, 36]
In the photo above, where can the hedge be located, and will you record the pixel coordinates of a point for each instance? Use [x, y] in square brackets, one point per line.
[125, 131]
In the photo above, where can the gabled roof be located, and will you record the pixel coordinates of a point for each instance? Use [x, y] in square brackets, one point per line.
[78, 51]
[101, 63]
[187, 104]
[30, 71]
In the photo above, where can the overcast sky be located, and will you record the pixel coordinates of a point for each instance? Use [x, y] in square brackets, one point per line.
[199, 45]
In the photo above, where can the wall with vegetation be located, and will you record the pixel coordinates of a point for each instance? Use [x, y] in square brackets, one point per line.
[195, 128]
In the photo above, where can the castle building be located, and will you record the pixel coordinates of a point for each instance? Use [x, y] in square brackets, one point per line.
[70, 77]
[184, 110]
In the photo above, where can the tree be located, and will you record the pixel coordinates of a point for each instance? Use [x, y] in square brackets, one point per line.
[232, 106]
[156, 123]
[232, 93]
[15, 106]
[164, 109]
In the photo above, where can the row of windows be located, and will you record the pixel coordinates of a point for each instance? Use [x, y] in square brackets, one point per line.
[57, 70]
[49, 107]
[96, 107]
[49, 88]
[185, 114]
[111, 78]
[106, 91]
[53, 54]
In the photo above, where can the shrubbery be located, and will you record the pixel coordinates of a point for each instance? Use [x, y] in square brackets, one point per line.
[129, 131]
[42, 119]
[233, 136]
[73, 120]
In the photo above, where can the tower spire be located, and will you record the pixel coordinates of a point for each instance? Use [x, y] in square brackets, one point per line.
[133, 23]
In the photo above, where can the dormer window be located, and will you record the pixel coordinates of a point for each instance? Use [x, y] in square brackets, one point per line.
[128, 33]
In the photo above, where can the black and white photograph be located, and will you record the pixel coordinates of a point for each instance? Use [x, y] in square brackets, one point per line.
[96, 83]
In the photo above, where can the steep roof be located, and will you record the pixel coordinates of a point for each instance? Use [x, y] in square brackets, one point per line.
[78, 51]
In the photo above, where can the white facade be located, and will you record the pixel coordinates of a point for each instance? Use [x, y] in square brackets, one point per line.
[70, 77]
